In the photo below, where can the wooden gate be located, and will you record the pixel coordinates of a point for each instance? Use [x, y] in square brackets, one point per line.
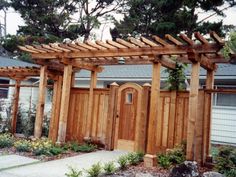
[128, 117]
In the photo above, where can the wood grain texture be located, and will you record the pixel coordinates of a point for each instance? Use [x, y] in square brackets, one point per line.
[41, 102]
[56, 103]
[15, 105]
[64, 108]
[78, 113]
[193, 110]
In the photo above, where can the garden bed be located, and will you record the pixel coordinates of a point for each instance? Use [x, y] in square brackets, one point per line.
[41, 149]
[140, 170]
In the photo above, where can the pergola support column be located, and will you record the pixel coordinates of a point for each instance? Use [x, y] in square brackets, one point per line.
[56, 103]
[15, 106]
[150, 157]
[93, 84]
[41, 102]
[65, 97]
[193, 108]
[207, 117]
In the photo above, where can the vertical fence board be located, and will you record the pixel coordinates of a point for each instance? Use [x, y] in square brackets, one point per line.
[78, 115]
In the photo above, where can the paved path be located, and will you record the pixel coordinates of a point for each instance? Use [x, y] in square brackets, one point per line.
[9, 161]
[58, 168]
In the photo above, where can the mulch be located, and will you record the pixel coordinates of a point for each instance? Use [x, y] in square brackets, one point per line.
[132, 171]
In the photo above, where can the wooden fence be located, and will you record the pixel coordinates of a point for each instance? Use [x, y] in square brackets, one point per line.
[170, 129]
[78, 113]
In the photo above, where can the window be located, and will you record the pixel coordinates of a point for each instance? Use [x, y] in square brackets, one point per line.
[129, 98]
[225, 99]
[3, 92]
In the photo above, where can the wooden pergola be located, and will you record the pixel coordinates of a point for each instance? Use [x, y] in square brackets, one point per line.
[64, 59]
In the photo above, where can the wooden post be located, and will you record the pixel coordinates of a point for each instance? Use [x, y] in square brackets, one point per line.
[56, 103]
[73, 79]
[207, 117]
[65, 98]
[150, 158]
[41, 102]
[144, 117]
[193, 108]
[93, 83]
[15, 106]
[111, 116]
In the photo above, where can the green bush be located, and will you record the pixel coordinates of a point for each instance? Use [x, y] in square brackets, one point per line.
[226, 161]
[55, 150]
[87, 148]
[95, 170]
[172, 157]
[109, 168]
[6, 140]
[123, 161]
[23, 145]
[73, 173]
[135, 158]
[164, 161]
[74, 146]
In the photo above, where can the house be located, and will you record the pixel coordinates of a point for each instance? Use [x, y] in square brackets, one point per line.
[28, 95]
[224, 105]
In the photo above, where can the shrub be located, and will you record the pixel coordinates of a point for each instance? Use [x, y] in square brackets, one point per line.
[73, 173]
[123, 161]
[172, 157]
[164, 161]
[23, 145]
[42, 147]
[140, 156]
[135, 158]
[87, 148]
[6, 140]
[74, 146]
[55, 150]
[226, 161]
[109, 168]
[95, 170]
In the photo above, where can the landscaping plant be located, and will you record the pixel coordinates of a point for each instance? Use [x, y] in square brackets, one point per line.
[226, 161]
[6, 140]
[109, 168]
[172, 157]
[73, 173]
[135, 158]
[42, 147]
[123, 161]
[55, 150]
[95, 170]
[87, 148]
[23, 145]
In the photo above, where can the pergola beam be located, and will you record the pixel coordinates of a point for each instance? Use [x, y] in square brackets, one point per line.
[82, 65]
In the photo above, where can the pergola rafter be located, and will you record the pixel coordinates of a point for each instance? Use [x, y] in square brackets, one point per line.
[89, 55]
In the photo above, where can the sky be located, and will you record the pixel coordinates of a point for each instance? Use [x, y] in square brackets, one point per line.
[14, 20]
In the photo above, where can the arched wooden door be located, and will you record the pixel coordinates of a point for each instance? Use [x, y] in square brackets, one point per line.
[128, 117]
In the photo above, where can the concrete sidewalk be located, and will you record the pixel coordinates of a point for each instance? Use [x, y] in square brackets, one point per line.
[58, 168]
[9, 161]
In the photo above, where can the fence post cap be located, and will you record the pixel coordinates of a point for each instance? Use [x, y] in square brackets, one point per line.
[114, 84]
[146, 85]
